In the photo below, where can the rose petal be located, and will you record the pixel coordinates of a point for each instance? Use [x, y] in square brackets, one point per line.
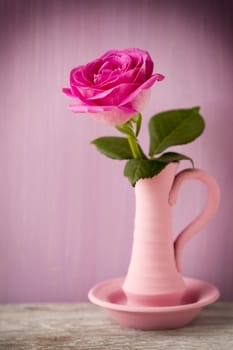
[84, 75]
[146, 85]
[123, 59]
[95, 109]
[68, 92]
[89, 108]
[91, 69]
[143, 59]
[141, 100]
[115, 117]
[77, 94]
[109, 80]
[83, 93]
[136, 56]
[115, 95]
[86, 92]
[77, 76]
[141, 76]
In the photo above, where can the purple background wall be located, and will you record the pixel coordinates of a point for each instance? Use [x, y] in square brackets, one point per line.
[66, 212]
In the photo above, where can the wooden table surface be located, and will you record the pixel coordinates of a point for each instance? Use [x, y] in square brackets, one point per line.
[88, 327]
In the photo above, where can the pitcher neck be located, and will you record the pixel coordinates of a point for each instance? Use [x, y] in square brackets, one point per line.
[152, 195]
[159, 184]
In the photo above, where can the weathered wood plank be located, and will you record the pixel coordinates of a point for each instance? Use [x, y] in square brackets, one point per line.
[87, 327]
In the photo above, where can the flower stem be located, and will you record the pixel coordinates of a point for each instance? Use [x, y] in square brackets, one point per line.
[128, 130]
[137, 154]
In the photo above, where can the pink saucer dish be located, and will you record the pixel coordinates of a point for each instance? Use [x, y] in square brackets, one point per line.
[110, 295]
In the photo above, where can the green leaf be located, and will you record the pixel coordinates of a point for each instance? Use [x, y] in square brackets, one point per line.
[173, 157]
[125, 129]
[136, 169]
[113, 147]
[174, 127]
[137, 119]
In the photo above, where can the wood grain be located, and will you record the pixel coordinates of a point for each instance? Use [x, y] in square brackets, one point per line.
[87, 327]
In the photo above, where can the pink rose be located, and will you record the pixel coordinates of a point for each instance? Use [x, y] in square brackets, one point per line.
[114, 87]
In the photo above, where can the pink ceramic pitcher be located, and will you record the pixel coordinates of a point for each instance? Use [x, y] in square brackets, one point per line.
[153, 276]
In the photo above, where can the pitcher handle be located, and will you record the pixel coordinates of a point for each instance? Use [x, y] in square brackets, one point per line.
[201, 220]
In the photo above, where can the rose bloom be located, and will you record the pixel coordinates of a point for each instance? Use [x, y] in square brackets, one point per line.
[114, 87]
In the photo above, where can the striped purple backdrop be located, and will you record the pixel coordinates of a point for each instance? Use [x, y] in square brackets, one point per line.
[67, 212]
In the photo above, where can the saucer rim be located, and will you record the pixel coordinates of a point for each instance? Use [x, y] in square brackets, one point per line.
[200, 303]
